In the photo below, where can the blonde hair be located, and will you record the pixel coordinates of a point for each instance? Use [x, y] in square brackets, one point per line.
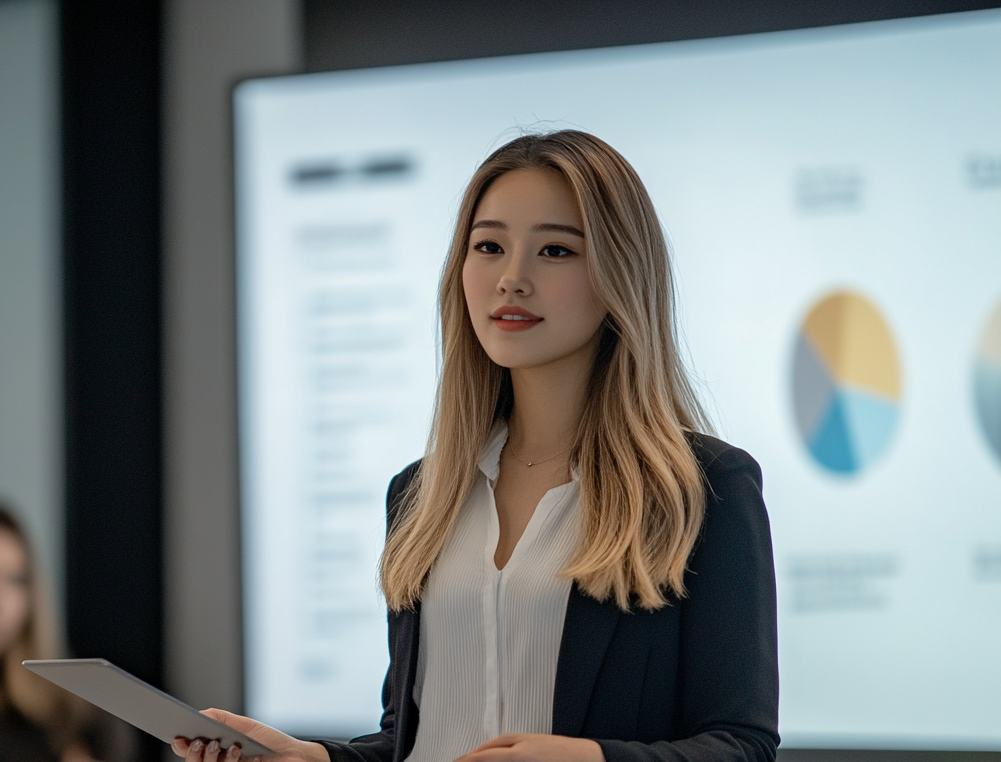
[641, 489]
[34, 697]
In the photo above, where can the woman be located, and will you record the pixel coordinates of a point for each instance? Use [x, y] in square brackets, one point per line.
[572, 571]
[38, 721]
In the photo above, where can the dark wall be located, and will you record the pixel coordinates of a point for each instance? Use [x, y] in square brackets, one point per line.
[347, 34]
[111, 289]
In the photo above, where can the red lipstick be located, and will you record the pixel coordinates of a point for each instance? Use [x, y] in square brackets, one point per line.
[512, 318]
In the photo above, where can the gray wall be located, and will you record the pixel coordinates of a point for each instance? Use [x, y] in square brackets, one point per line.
[209, 45]
[31, 472]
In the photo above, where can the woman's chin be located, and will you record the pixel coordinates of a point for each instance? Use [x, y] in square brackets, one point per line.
[524, 361]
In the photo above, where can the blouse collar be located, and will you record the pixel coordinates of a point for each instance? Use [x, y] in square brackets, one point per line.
[489, 461]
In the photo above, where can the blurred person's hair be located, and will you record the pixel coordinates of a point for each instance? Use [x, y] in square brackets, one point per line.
[34, 697]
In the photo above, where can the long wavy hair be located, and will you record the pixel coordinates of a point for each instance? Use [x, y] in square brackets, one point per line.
[37, 699]
[641, 489]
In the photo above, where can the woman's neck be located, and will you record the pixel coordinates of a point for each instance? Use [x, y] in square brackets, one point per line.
[547, 405]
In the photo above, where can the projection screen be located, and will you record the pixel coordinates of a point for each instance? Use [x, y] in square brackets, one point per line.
[833, 199]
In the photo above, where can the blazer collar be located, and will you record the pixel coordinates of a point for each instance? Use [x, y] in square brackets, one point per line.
[587, 632]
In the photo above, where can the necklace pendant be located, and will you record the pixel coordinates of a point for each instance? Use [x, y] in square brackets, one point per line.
[529, 465]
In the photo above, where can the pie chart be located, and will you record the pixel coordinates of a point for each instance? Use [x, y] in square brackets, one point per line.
[987, 381]
[846, 385]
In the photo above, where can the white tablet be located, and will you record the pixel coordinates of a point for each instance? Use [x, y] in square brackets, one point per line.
[116, 691]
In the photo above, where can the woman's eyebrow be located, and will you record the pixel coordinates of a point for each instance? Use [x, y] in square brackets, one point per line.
[542, 227]
[489, 224]
[552, 227]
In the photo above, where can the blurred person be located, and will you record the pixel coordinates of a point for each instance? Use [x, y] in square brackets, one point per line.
[40, 722]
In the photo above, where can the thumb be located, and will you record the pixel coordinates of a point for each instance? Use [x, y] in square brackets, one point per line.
[238, 722]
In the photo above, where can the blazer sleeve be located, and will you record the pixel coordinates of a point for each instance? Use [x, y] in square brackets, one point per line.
[376, 747]
[379, 747]
[727, 702]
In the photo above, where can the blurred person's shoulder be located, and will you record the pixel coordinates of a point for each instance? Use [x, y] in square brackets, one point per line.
[21, 740]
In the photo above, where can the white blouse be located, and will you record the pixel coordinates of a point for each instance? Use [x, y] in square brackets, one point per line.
[489, 639]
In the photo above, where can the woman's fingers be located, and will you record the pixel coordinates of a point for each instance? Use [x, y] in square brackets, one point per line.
[498, 748]
[211, 751]
[509, 739]
[536, 747]
[284, 747]
[195, 749]
[496, 754]
[201, 750]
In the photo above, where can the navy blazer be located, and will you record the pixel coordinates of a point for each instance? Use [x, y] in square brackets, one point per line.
[696, 680]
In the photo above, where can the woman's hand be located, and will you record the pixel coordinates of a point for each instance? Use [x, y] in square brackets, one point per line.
[285, 748]
[535, 747]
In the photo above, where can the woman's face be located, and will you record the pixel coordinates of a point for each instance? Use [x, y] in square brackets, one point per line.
[14, 603]
[527, 286]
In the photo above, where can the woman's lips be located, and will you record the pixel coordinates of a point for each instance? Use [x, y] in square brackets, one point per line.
[512, 318]
[515, 322]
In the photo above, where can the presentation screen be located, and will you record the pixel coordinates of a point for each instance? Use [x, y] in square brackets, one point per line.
[833, 202]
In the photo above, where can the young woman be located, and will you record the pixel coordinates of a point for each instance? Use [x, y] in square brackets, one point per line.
[573, 571]
[38, 721]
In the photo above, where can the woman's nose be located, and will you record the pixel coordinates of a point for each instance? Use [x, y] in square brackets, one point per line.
[514, 278]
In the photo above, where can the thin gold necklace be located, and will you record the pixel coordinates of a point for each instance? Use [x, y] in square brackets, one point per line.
[531, 463]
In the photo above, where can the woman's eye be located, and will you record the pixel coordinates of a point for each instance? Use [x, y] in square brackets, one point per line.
[555, 251]
[489, 247]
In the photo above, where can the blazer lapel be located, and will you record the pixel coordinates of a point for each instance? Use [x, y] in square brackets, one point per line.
[405, 656]
[587, 632]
